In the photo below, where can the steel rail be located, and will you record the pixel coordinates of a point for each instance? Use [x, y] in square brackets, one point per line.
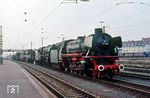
[81, 92]
[125, 85]
[135, 86]
[137, 69]
[135, 74]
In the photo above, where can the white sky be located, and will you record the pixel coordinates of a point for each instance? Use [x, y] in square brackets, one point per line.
[130, 21]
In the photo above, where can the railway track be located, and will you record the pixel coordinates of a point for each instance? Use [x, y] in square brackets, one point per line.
[137, 69]
[135, 58]
[136, 74]
[116, 83]
[127, 85]
[60, 88]
[139, 88]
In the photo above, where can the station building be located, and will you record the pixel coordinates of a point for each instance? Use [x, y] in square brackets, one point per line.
[138, 46]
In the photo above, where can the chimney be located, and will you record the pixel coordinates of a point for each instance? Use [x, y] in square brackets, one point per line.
[98, 30]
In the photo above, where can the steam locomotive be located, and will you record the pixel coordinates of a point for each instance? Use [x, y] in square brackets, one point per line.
[93, 56]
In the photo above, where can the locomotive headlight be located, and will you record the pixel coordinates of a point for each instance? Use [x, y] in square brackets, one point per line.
[82, 62]
[121, 67]
[100, 67]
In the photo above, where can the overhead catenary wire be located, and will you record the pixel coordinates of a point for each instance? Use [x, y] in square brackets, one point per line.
[69, 26]
[116, 21]
[12, 9]
[126, 18]
[14, 1]
[144, 3]
[132, 25]
[74, 25]
[23, 11]
[90, 17]
[70, 17]
[87, 19]
[16, 12]
[133, 28]
[50, 13]
[43, 6]
[43, 20]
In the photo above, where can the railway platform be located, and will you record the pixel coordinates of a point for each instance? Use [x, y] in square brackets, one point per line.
[16, 82]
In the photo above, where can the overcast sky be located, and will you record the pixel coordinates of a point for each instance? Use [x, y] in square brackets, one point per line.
[24, 21]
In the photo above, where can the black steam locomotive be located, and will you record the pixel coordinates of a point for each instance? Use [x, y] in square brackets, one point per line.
[93, 56]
